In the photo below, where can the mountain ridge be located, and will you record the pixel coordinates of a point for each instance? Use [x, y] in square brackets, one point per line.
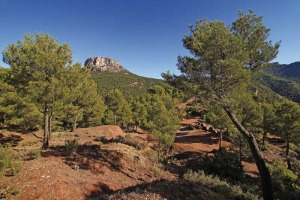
[290, 71]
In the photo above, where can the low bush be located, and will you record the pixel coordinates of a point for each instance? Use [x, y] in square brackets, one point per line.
[8, 161]
[34, 153]
[103, 140]
[7, 191]
[157, 170]
[285, 182]
[71, 146]
[124, 140]
[225, 164]
[134, 143]
[150, 153]
[227, 190]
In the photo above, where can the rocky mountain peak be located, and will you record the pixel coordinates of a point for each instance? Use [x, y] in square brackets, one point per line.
[102, 64]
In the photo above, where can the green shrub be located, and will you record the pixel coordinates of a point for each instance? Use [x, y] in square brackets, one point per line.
[8, 161]
[71, 146]
[34, 153]
[133, 142]
[264, 147]
[124, 140]
[224, 163]
[103, 140]
[59, 134]
[284, 180]
[227, 190]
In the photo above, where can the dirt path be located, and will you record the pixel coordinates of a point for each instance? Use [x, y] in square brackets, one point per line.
[199, 141]
[196, 140]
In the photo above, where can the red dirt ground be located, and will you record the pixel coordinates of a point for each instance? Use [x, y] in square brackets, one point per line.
[94, 169]
[197, 140]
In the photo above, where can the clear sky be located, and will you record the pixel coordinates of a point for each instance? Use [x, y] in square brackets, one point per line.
[145, 36]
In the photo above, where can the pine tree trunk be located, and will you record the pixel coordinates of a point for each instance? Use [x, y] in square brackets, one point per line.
[3, 118]
[288, 162]
[74, 126]
[46, 126]
[50, 124]
[221, 139]
[136, 126]
[241, 149]
[264, 137]
[158, 152]
[259, 160]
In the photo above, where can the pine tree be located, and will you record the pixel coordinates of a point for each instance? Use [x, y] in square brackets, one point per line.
[288, 125]
[86, 106]
[117, 103]
[222, 64]
[37, 62]
[139, 111]
[162, 118]
[268, 120]
[109, 117]
[8, 103]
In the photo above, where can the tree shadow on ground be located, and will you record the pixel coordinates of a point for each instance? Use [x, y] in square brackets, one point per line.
[187, 128]
[175, 190]
[101, 189]
[204, 139]
[275, 140]
[12, 139]
[17, 129]
[180, 134]
[88, 157]
[187, 155]
[178, 162]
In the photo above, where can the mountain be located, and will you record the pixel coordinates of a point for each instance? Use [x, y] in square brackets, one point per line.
[282, 79]
[110, 74]
[290, 71]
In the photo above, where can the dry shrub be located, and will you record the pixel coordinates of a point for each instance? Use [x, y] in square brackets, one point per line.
[8, 162]
[6, 190]
[71, 146]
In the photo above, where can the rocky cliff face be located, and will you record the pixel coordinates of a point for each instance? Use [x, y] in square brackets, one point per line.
[101, 64]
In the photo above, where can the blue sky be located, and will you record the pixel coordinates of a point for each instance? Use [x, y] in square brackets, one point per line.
[145, 36]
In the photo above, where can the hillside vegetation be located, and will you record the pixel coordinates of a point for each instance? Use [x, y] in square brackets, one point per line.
[282, 79]
[129, 84]
[289, 71]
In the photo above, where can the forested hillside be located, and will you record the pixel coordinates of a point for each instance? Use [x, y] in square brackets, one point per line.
[282, 79]
[289, 71]
[128, 83]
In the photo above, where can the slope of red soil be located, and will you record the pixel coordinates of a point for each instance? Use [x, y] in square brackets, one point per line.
[111, 168]
[85, 174]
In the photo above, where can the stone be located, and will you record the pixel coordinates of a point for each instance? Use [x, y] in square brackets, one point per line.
[102, 64]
